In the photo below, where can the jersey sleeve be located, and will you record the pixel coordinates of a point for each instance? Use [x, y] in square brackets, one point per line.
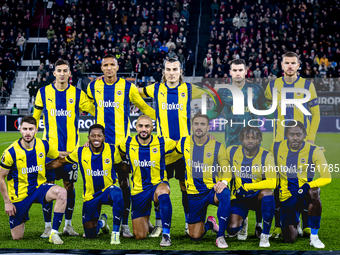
[116, 155]
[268, 172]
[38, 107]
[86, 104]
[197, 92]
[73, 156]
[315, 110]
[320, 163]
[137, 100]
[149, 91]
[122, 147]
[89, 91]
[224, 164]
[170, 145]
[52, 153]
[268, 94]
[6, 160]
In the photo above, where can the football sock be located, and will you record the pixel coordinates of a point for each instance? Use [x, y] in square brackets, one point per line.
[100, 224]
[234, 231]
[305, 218]
[314, 223]
[268, 210]
[223, 211]
[57, 219]
[117, 208]
[158, 215]
[47, 211]
[277, 208]
[166, 212]
[185, 203]
[71, 198]
[91, 233]
[258, 215]
[126, 196]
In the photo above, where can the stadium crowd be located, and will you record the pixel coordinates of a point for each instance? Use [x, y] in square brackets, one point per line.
[261, 33]
[141, 36]
[16, 17]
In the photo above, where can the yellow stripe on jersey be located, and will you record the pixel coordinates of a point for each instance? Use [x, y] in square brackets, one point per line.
[61, 109]
[292, 113]
[147, 161]
[206, 164]
[26, 167]
[112, 103]
[173, 112]
[298, 167]
[97, 169]
[254, 173]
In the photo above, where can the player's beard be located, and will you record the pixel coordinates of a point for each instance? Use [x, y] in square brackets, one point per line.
[144, 138]
[251, 150]
[201, 135]
[28, 141]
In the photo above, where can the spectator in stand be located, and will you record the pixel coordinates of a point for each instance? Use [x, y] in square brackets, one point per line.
[50, 35]
[32, 88]
[14, 109]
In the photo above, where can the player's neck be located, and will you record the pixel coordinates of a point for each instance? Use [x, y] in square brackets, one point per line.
[61, 86]
[173, 84]
[110, 80]
[144, 141]
[250, 153]
[27, 145]
[200, 140]
[96, 150]
[290, 79]
[239, 84]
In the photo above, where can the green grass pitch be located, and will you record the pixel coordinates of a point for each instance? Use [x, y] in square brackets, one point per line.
[330, 223]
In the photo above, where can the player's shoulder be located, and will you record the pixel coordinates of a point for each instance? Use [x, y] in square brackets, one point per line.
[233, 148]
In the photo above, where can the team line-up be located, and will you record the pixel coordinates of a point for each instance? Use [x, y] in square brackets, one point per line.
[111, 155]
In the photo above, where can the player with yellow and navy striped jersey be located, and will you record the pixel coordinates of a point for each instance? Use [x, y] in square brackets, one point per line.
[290, 65]
[98, 163]
[297, 162]
[61, 105]
[206, 178]
[23, 163]
[146, 153]
[112, 96]
[173, 116]
[253, 169]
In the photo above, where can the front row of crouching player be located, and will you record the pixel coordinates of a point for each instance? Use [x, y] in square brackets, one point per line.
[236, 180]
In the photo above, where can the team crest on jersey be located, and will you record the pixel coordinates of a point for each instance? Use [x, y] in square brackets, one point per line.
[208, 154]
[119, 93]
[71, 100]
[183, 94]
[154, 150]
[298, 93]
[303, 160]
[41, 155]
[74, 166]
[3, 158]
[256, 166]
[107, 161]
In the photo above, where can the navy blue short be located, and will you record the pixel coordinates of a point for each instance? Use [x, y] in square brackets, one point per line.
[22, 207]
[141, 203]
[198, 204]
[242, 206]
[92, 208]
[178, 168]
[290, 212]
[67, 172]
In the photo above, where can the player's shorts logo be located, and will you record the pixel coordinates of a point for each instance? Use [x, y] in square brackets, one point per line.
[119, 93]
[303, 160]
[71, 100]
[208, 154]
[154, 150]
[41, 155]
[183, 94]
[74, 166]
[107, 161]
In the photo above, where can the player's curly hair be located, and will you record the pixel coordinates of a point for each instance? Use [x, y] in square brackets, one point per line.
[97, 126]
[249, 129]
